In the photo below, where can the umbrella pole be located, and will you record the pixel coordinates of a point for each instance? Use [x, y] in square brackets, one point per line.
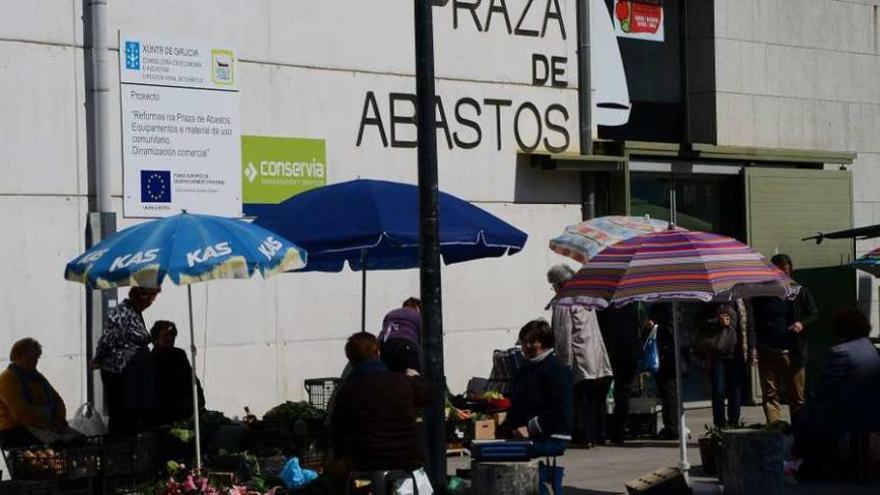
[683, 463]
[363, 291]
[195, 387]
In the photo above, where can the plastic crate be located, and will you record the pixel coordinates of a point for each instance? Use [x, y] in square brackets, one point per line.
[311, 449]
[67, 463]
[86, 486]
[317, 487]
[134, 454]
[77, 487]
[129, 485]
[271, 466]
[320, 391]
[171, 448]
[234, 464]
[28, 488]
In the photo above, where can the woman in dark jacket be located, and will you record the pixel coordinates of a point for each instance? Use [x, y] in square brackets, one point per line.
[540, 394]
[845, 400]
[726, 344]
[172, 379]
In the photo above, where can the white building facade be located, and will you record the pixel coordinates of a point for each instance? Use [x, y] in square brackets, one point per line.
[801, 94]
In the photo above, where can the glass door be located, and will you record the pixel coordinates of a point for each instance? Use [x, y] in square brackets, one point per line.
[704, 202]
[708, 203]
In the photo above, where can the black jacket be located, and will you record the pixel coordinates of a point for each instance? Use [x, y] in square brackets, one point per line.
[771, 318]
[621, 332]
[173, 386]
[541, 399]
[373, 421]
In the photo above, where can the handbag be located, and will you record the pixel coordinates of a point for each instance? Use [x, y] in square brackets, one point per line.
[649, 361]
[88, 421]
[715, 340]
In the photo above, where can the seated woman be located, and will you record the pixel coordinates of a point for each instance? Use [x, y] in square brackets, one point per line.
[172, 380]
[846, 399]
[31, 411]
[540, 394]
[373, 424]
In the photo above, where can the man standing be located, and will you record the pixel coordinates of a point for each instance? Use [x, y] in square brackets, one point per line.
[661, 319]
[123, 358]
[621, 332]
[781, 331]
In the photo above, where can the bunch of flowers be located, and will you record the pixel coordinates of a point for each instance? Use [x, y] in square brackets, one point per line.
[183, 481]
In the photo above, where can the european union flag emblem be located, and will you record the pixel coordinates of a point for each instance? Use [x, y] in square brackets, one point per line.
[155, 186]
[132, 55]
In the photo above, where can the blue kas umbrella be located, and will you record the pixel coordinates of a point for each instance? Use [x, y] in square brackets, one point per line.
[374, 225]
[186, 248]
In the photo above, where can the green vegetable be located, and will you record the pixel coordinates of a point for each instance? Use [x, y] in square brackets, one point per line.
[289, 413]
[183, 435]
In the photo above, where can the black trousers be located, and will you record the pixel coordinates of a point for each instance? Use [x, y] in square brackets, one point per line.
[666, 390]
[623, 387]
[589, 410]
[114, 398]
[400, 355]
[122, 419]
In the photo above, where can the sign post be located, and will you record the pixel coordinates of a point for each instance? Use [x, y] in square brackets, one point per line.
[429, 245]
[181, 142]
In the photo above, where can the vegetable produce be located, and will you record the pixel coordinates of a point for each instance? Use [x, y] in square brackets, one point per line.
[290, 416]
[183, 435]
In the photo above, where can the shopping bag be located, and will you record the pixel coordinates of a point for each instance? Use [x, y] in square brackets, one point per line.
[88, 421]
[649, 361]
[422, 484]
[293, 476]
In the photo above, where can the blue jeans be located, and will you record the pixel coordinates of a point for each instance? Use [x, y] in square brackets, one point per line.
[727, 379]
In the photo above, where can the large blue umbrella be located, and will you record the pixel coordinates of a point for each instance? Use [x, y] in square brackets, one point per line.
[374, 225]
[186, 248]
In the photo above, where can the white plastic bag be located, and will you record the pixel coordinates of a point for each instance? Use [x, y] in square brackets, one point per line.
[405, 487]
[88, 421]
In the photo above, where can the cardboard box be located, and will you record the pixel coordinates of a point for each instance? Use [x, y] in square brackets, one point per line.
[484, 429]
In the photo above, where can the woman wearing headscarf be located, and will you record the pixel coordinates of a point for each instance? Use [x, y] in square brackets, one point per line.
[580, 347]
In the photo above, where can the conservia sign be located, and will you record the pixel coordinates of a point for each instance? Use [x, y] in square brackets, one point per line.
[276, 168]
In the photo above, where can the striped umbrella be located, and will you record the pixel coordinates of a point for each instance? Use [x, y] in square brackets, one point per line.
[584, 240]
[675, 265]
[869, 263]
[670, 266]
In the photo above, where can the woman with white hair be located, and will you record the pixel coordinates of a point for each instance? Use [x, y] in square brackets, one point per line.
[579, 346]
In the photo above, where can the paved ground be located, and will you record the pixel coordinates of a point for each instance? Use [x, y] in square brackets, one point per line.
[604, 470]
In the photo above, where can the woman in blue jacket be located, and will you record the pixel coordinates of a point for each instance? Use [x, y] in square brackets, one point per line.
[540, 394]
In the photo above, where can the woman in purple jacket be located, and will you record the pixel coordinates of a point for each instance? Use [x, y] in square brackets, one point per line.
[400, 338]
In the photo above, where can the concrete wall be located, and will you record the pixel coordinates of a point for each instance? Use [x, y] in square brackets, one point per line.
[804, 74]
[304, 70]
